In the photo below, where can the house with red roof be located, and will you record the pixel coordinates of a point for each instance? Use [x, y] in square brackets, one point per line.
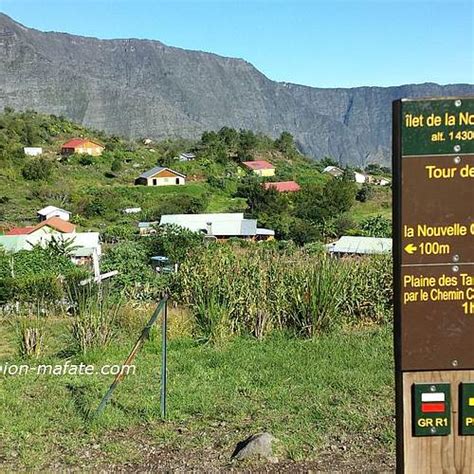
[283, 186]
[20, 230]
[260, 167]
[48, 226]
[82, 146]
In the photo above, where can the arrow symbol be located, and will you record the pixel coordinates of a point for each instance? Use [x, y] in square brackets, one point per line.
[410, 248]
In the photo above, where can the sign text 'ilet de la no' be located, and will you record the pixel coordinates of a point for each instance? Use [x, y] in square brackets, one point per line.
[433, 212]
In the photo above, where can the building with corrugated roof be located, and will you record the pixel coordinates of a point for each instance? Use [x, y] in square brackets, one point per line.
[53, 224]
[283, 186]
[220, 225]
[356, 245]
[85, 245]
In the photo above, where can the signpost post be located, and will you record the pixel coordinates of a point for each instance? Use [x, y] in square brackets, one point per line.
[433, 213]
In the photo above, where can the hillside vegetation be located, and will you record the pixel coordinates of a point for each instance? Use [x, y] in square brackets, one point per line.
[97, 189]
[259, 331]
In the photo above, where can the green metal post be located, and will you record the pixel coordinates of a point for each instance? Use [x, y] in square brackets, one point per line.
[164, 330]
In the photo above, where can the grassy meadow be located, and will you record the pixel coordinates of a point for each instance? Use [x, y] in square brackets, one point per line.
[324, 397]
[262, 339]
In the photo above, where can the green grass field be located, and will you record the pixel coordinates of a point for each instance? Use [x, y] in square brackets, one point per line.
[329, 401]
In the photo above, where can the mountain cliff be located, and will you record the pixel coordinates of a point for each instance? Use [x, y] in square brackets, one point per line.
[142, 88]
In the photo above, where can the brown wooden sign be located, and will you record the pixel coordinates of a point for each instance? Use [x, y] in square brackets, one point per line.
[434, 233]
[437, 262]
[433, 230]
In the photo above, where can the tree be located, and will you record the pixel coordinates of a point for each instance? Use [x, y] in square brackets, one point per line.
[328, 161]
[348, 174]
[247, 143]
[377, 226]
[285, 143]
[229, 137]
[31, 135]
[338, 196]
[260, 199]
[174, 242]
[373, 168]
[303, 232]
[320, 205]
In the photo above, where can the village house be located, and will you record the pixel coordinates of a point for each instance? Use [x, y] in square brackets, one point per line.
[337, 172]
[53, 211]
[48, 226]
[82, 146]
[260, 167]
[220, 226]
[283, 186]
[160, 176]
[33, 150]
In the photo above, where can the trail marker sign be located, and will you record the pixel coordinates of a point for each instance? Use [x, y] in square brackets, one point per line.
[433, 214]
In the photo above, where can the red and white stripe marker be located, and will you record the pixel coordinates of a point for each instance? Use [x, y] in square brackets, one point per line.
[433, 402]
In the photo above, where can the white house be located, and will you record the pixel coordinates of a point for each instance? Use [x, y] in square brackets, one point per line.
[32, 150]
[359, 177]
[336, 172]
[160, 176]
[53, 211]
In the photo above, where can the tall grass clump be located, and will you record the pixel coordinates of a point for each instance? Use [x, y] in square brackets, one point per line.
[30, 333]
[94, 313]
[368, 292]
[256, 290]
[317, 306]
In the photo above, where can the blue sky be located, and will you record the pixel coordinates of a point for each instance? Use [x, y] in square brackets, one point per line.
[319, 43]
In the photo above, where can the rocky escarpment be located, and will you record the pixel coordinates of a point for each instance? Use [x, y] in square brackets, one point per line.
[141, 88]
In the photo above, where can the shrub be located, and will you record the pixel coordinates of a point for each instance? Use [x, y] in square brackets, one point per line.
[116, 165]
[37, 169]
[365, 193]
[136, 279]
[86, 160]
